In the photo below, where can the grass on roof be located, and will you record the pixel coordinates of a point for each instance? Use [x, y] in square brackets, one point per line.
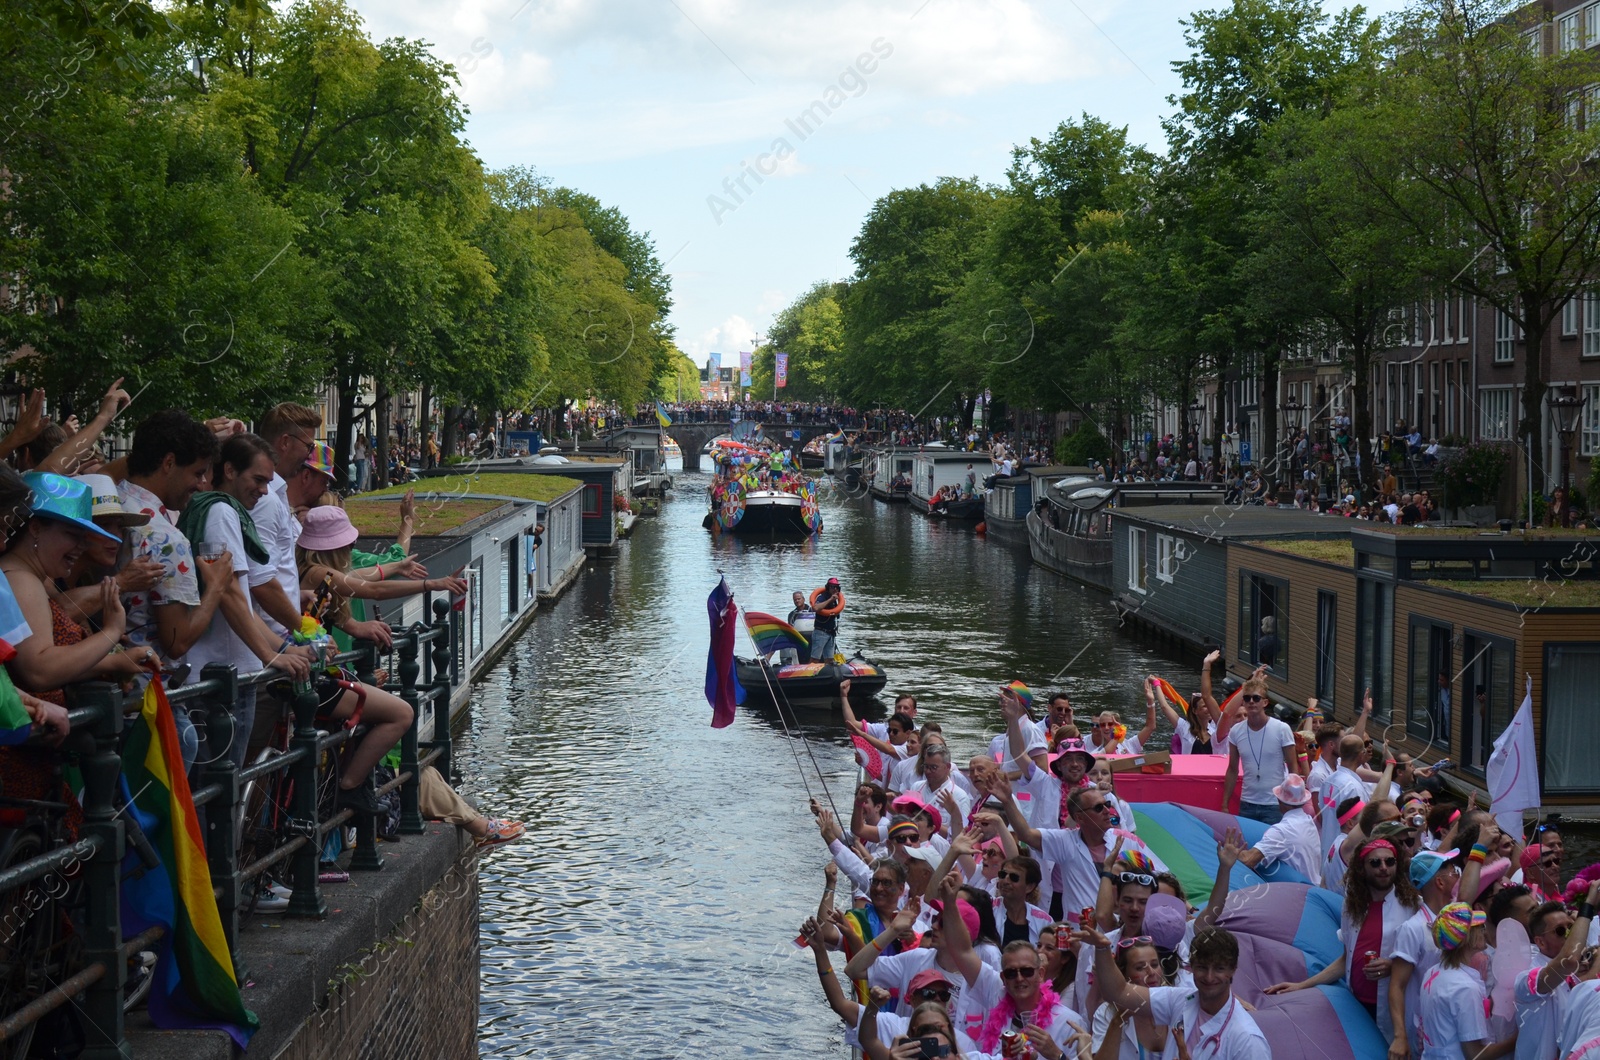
[528, 487]
[382, 518]
[1329, 550]
[1529, 592]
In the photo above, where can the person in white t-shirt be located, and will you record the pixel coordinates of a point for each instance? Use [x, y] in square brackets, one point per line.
[1435, 875]
[1455, 1023]
[1560, 938]
[1215, 1025]
[1263, 748]
[1579, 1036]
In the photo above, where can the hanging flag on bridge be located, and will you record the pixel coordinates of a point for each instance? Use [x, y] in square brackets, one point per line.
[780, 369]
[723, 690]
[1513, 768]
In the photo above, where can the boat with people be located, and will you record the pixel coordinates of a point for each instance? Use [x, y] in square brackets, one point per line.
[949, 482]
[886, 470]
[758, 491]
[782, 670]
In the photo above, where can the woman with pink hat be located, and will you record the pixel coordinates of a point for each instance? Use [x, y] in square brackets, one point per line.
[323, 556]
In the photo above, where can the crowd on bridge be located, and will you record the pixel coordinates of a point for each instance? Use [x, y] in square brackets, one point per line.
[999, 900]
[207, 543]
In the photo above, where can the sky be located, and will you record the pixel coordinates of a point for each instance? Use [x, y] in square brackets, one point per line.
[750, 138]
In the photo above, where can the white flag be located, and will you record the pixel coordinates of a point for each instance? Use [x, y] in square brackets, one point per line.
[1514, 769]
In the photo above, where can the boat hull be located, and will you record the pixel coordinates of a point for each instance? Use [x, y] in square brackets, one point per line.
[773, 514]
[1086, 559]
[766, 683]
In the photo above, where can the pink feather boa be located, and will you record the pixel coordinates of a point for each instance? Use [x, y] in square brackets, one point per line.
[1000, 1016]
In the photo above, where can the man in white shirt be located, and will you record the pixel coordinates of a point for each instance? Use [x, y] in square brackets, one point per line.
[1215, 1025]
[237, 636]
[1263, 747]
[1294, 840]
[935, 785]
[1070, 857]
[1540, 993]
[1326, 759]
[1435, 875]
[1346, 782]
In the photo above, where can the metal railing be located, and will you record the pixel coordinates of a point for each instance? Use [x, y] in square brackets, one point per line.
[422, 676]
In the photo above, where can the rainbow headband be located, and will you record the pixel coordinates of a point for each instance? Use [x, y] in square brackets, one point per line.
[1454, 923]
[904, 828]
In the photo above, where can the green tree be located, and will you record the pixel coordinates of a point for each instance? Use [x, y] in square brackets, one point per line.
[811, 331]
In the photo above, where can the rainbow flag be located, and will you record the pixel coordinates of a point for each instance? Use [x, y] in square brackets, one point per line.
[772, 633]
[195, 985]
[16, 724]
[1174, 698]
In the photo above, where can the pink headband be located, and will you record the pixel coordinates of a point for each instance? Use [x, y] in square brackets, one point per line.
[1377, 844]
[1455, 815]
[1352, 813]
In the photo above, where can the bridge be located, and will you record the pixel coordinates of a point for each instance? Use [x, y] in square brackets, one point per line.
[692, 438]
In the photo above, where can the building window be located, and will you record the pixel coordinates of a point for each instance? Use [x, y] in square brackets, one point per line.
[1570, 310]
[1591, 24]
[1571, 724]
[475, 609]
[1591, 324]
[1589, 426]
[1264, 622]
[1505, 337]
[1488, 692]
[1168, 555]
[1375, 645]
[1498, 422]
[1327, 648]
[1464, 331]
[1428, 699]
[1138, 562]
[1569, 32]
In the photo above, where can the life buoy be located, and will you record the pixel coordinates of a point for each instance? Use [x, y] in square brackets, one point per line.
[826, 610]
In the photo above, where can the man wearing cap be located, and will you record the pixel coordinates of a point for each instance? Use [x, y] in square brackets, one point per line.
[827, 602]
[1294, 840]
[1435, 875]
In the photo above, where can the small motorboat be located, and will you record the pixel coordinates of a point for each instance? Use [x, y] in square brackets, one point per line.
[967, 508]
[810, 681]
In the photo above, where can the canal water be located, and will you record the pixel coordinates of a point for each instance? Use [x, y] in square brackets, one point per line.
[653, 908]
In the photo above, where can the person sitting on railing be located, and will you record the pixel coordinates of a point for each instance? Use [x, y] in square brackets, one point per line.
[323, 556]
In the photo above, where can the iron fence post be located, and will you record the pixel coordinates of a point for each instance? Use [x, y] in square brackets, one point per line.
[365, 858]
[443, 651]
[102, 936]
[222, 812]
[307, 897]
[410, 810]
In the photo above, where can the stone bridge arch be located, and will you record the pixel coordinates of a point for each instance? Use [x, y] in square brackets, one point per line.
[692, 438]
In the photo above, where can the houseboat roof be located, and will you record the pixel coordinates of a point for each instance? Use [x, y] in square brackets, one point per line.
[1235, 521]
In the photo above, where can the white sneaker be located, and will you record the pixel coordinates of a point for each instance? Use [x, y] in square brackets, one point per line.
[268, 900]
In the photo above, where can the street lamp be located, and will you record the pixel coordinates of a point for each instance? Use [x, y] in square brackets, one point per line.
[1566, 404]
[1291, 410]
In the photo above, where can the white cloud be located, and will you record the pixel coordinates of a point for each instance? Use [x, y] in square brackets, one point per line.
[728, 338]
[771, 301]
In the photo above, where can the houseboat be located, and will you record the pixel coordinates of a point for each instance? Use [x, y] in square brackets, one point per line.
[886, 470]
[949, 482]
[1009, 500]
[1069, 529]
[644, 449]
[1450, 629]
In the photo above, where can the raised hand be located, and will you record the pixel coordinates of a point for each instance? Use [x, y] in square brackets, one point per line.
[844, 688]
[1090, 935]
[1011, 706]
[1212, 659]
[966, 842]
[906, 917]
[1231, 847]
[1113, 853]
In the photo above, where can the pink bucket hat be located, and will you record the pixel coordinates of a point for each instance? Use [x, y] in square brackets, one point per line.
[327, 528]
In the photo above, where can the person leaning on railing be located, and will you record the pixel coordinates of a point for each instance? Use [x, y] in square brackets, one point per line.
[323, 556]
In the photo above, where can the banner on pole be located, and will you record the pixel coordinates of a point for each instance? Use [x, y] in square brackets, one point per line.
[780, 369]
[745, 359]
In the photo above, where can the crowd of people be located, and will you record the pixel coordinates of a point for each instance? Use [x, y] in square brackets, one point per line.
[206, 543]
[1069, 939]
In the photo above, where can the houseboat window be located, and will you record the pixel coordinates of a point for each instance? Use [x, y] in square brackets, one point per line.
[475, 608]
[1138, 562]
[1166, 557]
[1430, 696]
[1571, 724]
[1327, 648]
[591, 501]
[1375, 645]
[1264, 622]
[1488, 695]
[511, 583]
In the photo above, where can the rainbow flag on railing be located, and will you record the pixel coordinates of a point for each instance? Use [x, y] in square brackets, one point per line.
[194, 981]
[771, 633]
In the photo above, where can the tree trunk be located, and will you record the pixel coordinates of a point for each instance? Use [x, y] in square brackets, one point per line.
[1361, 418]
[447, 444]
[380, 441]
[1219, 471]
[425, 421]
[344, 429]
[1270, 447]
[965, 406]
[1533, 391]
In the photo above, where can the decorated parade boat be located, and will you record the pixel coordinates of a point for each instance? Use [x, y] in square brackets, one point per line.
[758, 491]
[768, 676]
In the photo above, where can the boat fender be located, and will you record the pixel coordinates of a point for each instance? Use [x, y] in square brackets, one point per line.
[982, 528]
